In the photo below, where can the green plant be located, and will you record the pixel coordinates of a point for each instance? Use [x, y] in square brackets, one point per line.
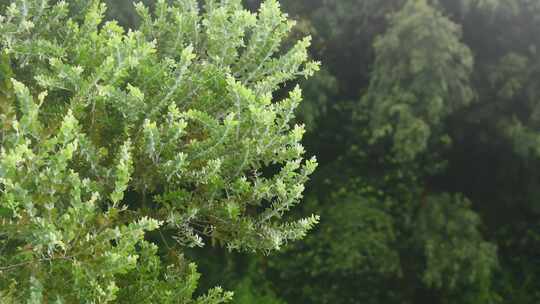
[121, 148]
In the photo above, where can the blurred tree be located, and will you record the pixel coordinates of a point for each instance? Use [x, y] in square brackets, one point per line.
[420, 77]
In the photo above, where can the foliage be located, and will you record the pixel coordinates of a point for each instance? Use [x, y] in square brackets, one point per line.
[425, 121]
[420, 77]
[457, 259]
[246, 293]
[320, 91]
[470, 184]
[366, 248]
[123, 148]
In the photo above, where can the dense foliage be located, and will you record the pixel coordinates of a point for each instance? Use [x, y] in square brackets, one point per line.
[426, 128]
[122, 148]
[433, 133]
[154, 141]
